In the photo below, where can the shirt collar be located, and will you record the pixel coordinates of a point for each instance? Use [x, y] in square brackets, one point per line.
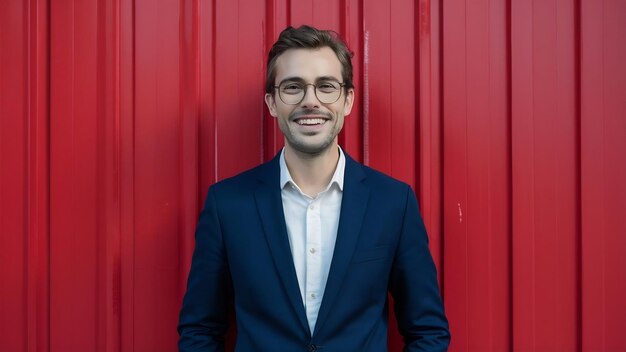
[285, 176]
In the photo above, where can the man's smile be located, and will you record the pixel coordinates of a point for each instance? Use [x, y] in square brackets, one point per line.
[310, 121]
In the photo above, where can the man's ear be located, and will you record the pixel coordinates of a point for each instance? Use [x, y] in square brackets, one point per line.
[271, 104]
[347, 107]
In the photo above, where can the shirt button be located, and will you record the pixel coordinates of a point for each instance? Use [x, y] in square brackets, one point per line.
[312, 207]
[313, 296]
[312, 250]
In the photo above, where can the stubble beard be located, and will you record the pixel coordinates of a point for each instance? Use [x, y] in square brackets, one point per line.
[299, 145]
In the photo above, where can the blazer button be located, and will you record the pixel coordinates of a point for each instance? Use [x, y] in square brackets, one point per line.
[312, 347]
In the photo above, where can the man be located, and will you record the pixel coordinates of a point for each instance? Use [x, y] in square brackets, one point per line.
[308, 245]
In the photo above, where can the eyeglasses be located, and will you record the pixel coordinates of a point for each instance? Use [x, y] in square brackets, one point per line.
[292, 93]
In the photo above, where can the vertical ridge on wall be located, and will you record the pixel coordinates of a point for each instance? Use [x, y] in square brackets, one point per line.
[275, 20]
[189, 116]
[603, 164]
[108, 251]
[404, 110]
[157, 162]
[454, 165]
[500, 197]
[427, 148]
[125, 138]
[351, 137]
[38, 168]
[207, 128]
[509, 156]
[14, 175]
[578, 134]
[544, 161]
[74, 162]
[376, 27]
[521, 102]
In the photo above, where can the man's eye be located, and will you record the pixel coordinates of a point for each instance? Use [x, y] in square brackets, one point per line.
[292, 88]
[327, 87]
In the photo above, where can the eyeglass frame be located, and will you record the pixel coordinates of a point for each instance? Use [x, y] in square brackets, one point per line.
[341, 87]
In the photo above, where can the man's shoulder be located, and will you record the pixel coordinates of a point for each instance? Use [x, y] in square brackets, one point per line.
[382, 180]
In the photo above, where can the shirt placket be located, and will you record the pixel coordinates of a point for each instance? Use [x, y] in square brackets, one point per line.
[314, 260]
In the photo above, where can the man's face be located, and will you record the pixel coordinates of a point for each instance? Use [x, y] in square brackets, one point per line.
[311, 126]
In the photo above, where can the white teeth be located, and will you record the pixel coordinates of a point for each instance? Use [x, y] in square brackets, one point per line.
[310, 121]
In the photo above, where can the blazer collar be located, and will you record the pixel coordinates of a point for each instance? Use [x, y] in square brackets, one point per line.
[338, 175]
[270, 208]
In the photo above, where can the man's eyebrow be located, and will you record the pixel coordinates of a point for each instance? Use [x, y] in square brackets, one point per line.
[326, 78]
[291, 79]
[301, 80]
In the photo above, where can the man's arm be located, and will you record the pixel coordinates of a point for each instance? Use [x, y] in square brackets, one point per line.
[413, 285]
[204, 314]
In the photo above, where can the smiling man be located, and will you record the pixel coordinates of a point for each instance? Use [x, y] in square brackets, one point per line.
[308, 246]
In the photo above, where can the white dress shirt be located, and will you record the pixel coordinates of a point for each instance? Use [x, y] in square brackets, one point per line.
[312, 228]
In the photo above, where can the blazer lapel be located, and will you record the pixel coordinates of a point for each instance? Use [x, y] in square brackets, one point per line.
[270, 206]
[353, 206]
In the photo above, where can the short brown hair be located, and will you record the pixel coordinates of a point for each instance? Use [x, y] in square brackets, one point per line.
[307, 37]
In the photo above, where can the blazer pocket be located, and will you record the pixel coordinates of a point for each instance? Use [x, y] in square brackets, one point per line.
[369, 254]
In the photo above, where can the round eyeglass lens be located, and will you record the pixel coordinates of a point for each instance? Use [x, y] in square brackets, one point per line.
[292, 93]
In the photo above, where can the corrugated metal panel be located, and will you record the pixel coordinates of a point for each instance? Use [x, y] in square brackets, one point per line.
[546, 236]
[14, 184]
[477, 175]
[24, 176]
[603, 171]
[507, 117]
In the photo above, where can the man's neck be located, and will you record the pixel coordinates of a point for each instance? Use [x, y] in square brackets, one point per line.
[312, 173]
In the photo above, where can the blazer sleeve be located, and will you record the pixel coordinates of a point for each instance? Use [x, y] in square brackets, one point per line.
[413, 284]
[205, 309]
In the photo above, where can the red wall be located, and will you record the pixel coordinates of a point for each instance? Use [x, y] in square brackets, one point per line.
[507, 117]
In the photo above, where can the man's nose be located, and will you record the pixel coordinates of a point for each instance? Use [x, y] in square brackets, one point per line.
[310, 99]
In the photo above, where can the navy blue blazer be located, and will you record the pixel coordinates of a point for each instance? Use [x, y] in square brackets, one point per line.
[242, 257]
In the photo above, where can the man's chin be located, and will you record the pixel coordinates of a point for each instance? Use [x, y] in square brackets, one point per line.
[310, 149]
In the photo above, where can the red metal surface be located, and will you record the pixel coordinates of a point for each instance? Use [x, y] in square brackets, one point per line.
[24, 181]
[476, 175]
[507, 117]
[603, 169]
[13, 175]
[75, 178]
[545, 176]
